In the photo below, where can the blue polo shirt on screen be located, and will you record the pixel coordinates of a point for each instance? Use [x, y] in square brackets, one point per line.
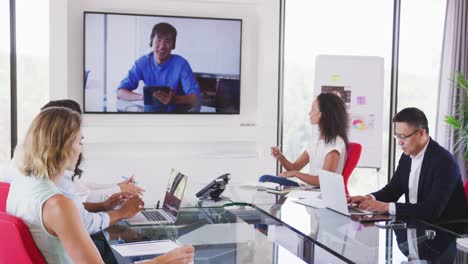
[175, 72]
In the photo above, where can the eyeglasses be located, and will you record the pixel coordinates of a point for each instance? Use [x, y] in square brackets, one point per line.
[403, 137]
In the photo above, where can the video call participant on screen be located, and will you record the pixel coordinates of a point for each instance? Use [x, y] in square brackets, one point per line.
[328, 150]
[427, 174]
[161, 68]
[51, 217]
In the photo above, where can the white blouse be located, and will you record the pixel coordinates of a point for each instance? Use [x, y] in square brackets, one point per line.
[318, 150]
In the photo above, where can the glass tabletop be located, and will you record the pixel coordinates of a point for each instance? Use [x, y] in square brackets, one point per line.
[249, 225]
[217, 234]
[336, 236]
[315, 234]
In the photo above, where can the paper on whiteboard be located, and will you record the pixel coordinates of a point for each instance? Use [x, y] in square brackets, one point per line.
[154, 247]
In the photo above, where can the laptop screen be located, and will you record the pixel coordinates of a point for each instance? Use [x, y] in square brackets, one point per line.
[175, 191]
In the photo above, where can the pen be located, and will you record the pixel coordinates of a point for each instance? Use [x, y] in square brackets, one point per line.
[157, 205]
[126, 178]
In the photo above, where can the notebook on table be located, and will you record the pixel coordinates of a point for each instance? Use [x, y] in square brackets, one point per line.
[170, 209]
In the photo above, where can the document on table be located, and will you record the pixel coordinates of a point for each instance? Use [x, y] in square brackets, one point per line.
[154, 247]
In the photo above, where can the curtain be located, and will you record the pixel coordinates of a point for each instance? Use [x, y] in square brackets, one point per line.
[454, 58]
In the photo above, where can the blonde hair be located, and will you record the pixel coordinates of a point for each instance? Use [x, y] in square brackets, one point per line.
[47, 147]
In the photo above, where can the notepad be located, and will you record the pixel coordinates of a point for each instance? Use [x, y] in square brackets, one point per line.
[279, 191]
[154, 247]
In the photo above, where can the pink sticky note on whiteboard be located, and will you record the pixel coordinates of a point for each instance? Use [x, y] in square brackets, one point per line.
[361, 100]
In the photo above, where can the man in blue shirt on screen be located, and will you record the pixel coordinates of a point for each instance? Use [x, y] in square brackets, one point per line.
[161, 68]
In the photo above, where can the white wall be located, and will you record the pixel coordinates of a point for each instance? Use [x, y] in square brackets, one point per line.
[202, 146]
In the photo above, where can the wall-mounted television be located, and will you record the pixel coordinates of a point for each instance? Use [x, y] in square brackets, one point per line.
[135, 63]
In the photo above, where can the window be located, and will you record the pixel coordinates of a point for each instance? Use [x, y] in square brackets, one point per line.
[421, 36]
[32, 42]
[364, 28]
[334, 27]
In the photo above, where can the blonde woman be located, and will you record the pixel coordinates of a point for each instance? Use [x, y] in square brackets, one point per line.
[51, 146]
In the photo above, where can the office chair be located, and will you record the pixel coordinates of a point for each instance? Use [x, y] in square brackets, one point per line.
[353, 155]
[16, 242]
[459, 226]
[465, 186]
[4, 189]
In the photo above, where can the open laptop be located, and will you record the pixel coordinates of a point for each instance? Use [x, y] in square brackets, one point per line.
[334, 196]
[170, 209]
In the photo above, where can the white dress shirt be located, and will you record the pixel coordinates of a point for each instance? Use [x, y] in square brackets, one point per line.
[413, 182]
[94, 222]
[93, 192]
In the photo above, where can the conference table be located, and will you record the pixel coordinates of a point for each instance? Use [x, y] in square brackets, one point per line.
[254, 226]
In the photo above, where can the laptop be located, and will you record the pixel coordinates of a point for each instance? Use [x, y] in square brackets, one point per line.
[334, 196]
[170, 209]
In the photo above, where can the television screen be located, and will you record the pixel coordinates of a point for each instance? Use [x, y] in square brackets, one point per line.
[161, 64]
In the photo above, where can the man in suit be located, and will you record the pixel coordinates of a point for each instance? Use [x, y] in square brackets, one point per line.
[427, 174]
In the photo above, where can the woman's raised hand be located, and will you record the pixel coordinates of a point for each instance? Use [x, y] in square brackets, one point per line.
[276, 152]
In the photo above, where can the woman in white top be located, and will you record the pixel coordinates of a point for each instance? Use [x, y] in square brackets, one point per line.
[51, 146]
[328, 150]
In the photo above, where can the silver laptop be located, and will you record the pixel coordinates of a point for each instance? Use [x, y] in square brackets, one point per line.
[170, 209]
[334, 196]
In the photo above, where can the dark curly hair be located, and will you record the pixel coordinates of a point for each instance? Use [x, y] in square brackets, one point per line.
[334, 118]
[70, 104]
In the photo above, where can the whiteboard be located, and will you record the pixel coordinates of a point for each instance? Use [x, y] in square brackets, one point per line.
[359, 80]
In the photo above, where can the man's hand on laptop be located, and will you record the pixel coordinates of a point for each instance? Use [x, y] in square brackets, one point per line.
[356, 200]
[117, 199]
[370, 204]
[131, 207]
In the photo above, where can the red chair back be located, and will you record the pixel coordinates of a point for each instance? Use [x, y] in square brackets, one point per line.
[466, 189]
[4, 189]
[352, 159]
[16, 242]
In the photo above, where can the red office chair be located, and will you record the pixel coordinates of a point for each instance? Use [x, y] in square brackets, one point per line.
[16, 242]
[353, 155]
[465, 186]
[4, 189]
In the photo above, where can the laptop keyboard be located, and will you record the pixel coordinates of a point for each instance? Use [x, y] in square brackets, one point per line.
[154, 216]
